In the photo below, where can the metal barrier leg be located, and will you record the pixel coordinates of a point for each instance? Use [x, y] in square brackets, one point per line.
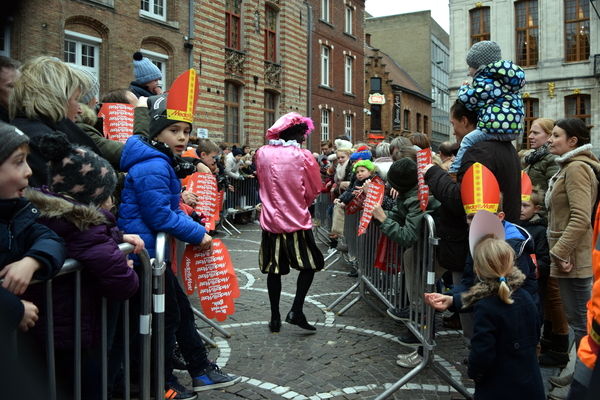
[343, 296]
[444, 374]
[200, 315]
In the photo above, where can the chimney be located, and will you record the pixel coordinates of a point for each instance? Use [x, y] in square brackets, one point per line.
[368, 39]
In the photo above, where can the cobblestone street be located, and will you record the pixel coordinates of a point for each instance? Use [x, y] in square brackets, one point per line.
[349, 357]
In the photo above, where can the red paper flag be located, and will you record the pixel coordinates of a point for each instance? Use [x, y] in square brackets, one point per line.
[374, 196]
[214, 276]
[381, 257]
[117, 121]
[357, 202]
[423, 159]
[205, 186]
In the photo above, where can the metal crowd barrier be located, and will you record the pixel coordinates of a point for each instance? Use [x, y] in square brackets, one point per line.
[322, 226]
[386, 281]
[74, 267]
[243, 199]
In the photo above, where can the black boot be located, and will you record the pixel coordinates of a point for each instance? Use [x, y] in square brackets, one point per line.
[546, 339]
[558, 355]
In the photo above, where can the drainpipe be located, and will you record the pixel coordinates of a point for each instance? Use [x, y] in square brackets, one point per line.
[309, 65]
[191, 35]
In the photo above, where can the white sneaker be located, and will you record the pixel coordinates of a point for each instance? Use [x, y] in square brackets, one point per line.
[248, 208]
[409, 360]
[331, 250]
[232, 210]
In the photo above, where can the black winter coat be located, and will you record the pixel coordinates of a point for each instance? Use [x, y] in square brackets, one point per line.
[536, 227]
[21, 236]
[503, 361]
[35, 129]
[139, 90]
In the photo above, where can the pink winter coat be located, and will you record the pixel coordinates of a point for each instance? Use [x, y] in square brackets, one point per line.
[289, 182]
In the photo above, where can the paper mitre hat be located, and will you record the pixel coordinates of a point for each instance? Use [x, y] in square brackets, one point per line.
[183, 97]
[484, 223]
[526, 186]
[479, 190]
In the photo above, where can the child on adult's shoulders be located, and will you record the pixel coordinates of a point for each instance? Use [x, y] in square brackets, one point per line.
[495, 95]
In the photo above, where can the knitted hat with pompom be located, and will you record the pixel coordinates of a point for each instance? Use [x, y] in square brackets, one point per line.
[76, 171]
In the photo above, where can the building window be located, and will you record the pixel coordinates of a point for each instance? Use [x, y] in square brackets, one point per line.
[160, 60]
[579, 106]
[325, 65]
[418, 122]
[270, 34]
[83, 50]
[325, 10]
[270, 109]
[349, 20]
[231, 117]
[532, 112]
[348, 75]
[426, 124]
[480, 24]
[325, 114]
[375, 117]
[526, 13]
[407, 120]
[375, 85]
[577, 28]
[232, 24]
[349, 126]
[5, 41]
[154, 8]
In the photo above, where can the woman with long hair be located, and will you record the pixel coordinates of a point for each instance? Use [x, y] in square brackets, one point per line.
[569, 200]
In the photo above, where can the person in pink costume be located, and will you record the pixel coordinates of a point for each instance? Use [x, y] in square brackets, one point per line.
[289, 183]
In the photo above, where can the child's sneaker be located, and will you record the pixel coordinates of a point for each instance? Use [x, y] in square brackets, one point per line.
[214, 378]
[175, 390]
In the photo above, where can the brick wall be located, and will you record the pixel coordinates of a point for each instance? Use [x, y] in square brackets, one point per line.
[123, 32]
[331, 33]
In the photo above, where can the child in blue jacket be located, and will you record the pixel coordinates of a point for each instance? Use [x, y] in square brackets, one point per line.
[149, 205]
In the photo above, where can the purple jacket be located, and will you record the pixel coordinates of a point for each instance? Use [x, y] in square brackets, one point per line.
[92, 239]
[289, 183]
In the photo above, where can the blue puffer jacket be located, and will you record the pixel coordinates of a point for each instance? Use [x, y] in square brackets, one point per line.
[150, 198]
[496, 97]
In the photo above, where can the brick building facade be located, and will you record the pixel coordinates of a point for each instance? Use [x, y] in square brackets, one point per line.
[396, 104]
[251, 56]
[337, 73]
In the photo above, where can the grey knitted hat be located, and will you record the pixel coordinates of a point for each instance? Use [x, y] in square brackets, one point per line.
[94, 88]
[11, 138]
[77, 171]
[144, 70]
[483, 53]
[402, 175]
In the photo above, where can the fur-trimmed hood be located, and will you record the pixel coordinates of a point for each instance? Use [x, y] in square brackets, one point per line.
[53, 206]
[490, 287]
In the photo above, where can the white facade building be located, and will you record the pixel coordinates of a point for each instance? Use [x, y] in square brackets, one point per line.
[554, 41]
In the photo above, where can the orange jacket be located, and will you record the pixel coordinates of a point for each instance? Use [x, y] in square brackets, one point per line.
[588, 347]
